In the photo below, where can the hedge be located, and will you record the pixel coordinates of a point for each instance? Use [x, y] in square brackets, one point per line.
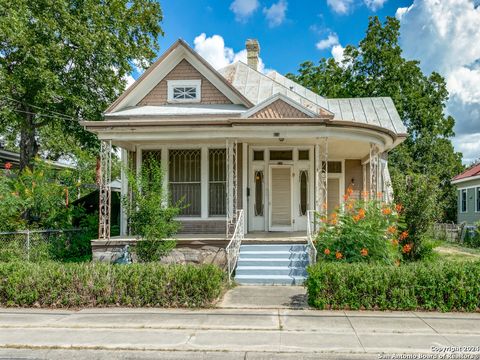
[52, 284]
[441, 286]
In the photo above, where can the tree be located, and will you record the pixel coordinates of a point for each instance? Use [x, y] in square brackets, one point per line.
[65, 60]
[376, 68]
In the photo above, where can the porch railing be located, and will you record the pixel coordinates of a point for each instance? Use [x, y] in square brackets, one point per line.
[312, 230]
[233, 247]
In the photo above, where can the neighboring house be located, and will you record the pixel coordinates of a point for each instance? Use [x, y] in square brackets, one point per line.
[468, 195]
[7, 156]
[238, 139]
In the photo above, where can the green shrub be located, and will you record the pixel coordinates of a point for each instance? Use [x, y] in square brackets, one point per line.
[420, 196]
[441, 286]
[34, 199]
[362, 231]
[151, 216]
[96, 284]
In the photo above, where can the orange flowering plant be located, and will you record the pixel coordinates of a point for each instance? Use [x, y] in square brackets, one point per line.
[362, 231]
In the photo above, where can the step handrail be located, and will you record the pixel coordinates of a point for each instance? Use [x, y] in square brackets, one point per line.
[233, 248]
[311, 235]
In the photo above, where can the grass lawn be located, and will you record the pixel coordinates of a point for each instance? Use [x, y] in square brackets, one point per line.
[453, 251]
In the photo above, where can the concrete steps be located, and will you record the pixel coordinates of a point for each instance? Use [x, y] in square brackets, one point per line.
[272, 264]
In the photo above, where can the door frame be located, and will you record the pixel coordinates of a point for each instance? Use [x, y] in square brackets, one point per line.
[270, 182]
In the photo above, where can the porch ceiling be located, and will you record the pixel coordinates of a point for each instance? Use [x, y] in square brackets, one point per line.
[338, 148]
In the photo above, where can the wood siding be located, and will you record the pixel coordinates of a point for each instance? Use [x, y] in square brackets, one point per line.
[184, 71]
[279, 110]
[333, 196]
[354, 170]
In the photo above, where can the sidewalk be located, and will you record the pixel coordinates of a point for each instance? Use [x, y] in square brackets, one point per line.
[235, 333]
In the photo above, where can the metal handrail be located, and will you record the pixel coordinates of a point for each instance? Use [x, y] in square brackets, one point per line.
[311, 234]
[233, 248]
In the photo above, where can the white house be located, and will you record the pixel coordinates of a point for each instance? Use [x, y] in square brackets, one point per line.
[238, 143]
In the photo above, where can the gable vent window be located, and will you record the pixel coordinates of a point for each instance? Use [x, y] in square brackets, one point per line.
[184, 91]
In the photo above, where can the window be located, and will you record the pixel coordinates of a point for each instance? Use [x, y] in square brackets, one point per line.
[258, 193]
[281, 155]
[303, 154]
[184, 178]
[334, 167]
[303, 191]
[463, 200]
[217, 182]
[184, 90]
[258, 155]
[478, 198]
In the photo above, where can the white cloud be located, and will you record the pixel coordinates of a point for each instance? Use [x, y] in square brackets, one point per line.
[340, 6]
[402, 11]
[468, 145]
[243, 9]
[337, 53]
[330, 41]
[444, 36]
[213, 50]
[374, 5]
[276, 13]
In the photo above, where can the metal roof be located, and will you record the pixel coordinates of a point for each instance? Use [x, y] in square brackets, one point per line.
[257, 87]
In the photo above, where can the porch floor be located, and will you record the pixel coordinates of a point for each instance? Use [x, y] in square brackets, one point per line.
[276, 237]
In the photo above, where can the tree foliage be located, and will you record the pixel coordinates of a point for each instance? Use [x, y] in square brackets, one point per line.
[65, 60]
[376, 68]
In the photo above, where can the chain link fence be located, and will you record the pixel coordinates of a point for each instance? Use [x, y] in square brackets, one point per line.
[43, 245]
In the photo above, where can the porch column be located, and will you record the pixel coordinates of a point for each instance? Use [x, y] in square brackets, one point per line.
[124, 190]
[373, 162]
[321, 176]
[364, 172]
[231, 147]
[387, 187]
[105, 190]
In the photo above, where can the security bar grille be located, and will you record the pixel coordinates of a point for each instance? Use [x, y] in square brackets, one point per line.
[217, 182]
[185, 180]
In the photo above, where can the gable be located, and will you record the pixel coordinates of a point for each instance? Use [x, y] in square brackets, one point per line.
[142, 90]
[279, 109]
[184, 71]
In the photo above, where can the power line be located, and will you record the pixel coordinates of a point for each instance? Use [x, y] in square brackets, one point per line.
[66, 117]
[46, 115]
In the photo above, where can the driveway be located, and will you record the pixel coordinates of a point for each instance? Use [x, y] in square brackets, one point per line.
[231, 333]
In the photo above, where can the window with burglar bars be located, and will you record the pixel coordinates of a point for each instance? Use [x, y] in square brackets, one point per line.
[217, 182]
[185, 180]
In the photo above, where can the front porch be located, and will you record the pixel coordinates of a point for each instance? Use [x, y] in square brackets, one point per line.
[274, 181]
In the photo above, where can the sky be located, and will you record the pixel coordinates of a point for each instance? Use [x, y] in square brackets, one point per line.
[444, 35]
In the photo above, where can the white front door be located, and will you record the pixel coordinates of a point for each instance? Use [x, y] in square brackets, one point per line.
[280, 199]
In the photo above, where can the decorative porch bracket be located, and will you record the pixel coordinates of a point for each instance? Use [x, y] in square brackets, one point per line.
[387, 187]
[231, 147]
[373, 162]
[105, 190]
[321, 176]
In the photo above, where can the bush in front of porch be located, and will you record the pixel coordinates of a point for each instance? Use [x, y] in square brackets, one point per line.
[52, 284]
[363, 231]
[432, 285]
[151, 216]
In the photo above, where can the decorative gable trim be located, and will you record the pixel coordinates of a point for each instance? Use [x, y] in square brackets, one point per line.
[281, 107]
[164, 65]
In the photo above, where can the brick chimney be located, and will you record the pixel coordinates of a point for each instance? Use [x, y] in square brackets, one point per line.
[253, 50]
